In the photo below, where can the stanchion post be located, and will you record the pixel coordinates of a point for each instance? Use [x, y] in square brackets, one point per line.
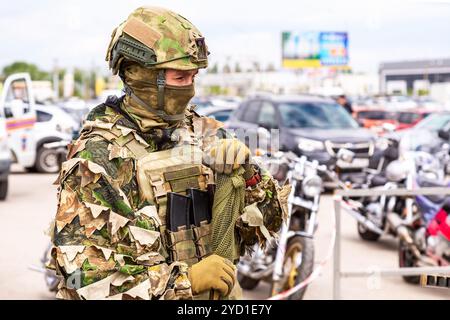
[337, 250]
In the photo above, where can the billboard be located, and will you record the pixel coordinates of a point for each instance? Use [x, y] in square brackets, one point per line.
[314, 49]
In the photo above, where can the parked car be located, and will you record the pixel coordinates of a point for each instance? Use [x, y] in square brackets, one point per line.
[308, 125]
[5, 160]
[201, 103]
[408, 119]
[424, 136]
[28, 135]
[77, 108]
[221, 114]
[52, 125]
[370, 117]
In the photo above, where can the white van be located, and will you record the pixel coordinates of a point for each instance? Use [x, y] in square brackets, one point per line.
[5, 160]
[18, 107]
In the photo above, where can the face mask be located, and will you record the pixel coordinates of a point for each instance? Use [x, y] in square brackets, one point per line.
[176, 98]
[142, 102]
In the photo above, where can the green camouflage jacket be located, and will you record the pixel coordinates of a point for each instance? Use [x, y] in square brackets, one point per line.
[107, 238]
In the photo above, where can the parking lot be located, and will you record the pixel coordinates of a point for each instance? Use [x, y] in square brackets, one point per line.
[31, 204]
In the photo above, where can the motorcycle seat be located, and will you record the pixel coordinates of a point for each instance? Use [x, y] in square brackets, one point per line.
[378, 181]
[427, 183]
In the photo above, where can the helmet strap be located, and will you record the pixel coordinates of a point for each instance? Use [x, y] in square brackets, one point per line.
[161, 83]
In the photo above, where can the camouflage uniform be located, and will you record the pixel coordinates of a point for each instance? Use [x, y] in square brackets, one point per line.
[110, 239]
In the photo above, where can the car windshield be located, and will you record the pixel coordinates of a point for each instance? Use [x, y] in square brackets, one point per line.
[409, 117]
[316, 115]
[376, 115]
[434, 122]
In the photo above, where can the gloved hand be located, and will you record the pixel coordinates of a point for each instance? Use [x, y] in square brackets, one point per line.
[227, 155]
[213, 272]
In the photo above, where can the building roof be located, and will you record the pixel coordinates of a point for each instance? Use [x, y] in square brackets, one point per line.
[416, 64]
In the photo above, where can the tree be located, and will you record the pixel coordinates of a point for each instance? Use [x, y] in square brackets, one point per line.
[226, 68]
[256, 66]
[270, 67]
[213, 69]
[237, 67]
[21, 66]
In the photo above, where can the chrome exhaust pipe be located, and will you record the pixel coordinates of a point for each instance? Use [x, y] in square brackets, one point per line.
[257, 275]
[363, 220]
[397, 224]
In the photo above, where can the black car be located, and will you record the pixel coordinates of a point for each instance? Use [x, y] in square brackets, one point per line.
[307, 125]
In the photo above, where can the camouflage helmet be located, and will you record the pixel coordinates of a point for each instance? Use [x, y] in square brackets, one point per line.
[157, 38]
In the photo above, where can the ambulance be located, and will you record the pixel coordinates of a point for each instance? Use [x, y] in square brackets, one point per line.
[27, 141]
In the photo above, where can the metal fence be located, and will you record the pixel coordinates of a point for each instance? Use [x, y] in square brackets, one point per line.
[338, 273]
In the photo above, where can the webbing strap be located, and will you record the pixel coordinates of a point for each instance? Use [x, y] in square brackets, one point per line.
[136, 148]
[182, 235]
[161, 83]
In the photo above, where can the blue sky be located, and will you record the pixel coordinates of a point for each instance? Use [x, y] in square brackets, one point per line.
[76, 33]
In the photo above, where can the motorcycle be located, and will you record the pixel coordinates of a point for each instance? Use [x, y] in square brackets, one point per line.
[397, 169]
[288, 260]
[370, 212]
[428, 243]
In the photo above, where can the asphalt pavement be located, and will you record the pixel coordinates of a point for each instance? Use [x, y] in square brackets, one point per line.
[26, 215]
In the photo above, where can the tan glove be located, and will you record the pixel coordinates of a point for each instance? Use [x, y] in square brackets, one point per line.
[213, 272]
[227, 155]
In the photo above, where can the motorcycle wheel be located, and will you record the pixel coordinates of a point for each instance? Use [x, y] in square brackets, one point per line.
[367, 234]
[247, 283]
[407, 260]
[296, 245]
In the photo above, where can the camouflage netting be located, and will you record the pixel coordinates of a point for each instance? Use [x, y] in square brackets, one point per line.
[108, 238]
[229, 201]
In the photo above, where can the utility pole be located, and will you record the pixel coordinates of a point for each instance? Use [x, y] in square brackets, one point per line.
[55, 79]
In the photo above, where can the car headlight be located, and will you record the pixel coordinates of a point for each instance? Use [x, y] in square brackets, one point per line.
[312, 186]
[382, 144]
[309, 145]
[64, 129]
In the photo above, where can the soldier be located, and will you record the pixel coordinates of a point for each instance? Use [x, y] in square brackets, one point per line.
[132, 219]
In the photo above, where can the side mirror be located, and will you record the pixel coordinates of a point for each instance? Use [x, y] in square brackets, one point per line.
[345, 155]
[444, 134]
[17, 107]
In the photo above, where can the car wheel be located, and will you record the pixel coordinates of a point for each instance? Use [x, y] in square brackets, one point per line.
[3, 189]
[47, 161]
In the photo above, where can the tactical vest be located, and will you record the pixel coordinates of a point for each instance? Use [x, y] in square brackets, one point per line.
[160, 172]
